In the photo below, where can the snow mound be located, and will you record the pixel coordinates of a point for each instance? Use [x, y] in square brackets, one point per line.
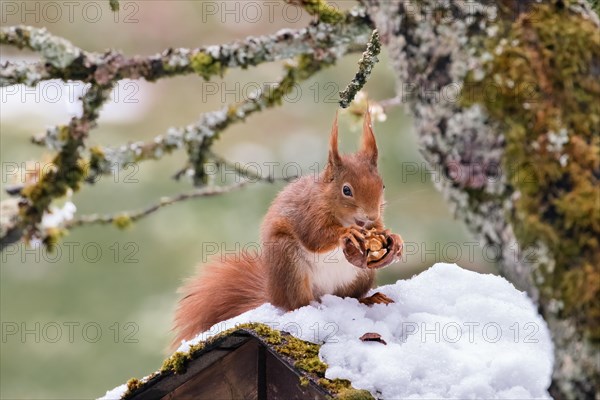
[451, 333]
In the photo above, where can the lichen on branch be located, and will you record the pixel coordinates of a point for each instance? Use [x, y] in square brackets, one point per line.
[67, 170]
[365, 66]
[63, 60]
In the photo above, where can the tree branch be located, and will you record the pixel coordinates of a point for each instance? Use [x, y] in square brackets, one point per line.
[67, 172]
[63, 60]
[365, 66]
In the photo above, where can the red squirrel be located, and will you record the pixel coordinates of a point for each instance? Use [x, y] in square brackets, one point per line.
[312, 244]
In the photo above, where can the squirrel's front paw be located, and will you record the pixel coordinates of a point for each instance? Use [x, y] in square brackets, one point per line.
[353, 244]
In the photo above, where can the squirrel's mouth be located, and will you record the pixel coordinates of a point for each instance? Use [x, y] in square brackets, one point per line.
[359, 222]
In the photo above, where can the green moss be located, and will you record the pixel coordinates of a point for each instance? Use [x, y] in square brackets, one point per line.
[231, 111]
[95, 163]
[541, 86]
[177, 363]
[306, 359]
[271, 336]
[63, 133]
[354, 394]
[97, 152]
[306, 66]
[53, 236]
[334, 385]
[326, 12]
[132, 386]
[114, 5]
[304, 381]
[304, 354]
[205, 66]
[122, 221]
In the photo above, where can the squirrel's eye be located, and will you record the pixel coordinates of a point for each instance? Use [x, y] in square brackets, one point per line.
[347, 191]
[384, 186]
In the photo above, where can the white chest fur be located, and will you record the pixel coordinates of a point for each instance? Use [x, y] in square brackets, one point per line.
[330, 271]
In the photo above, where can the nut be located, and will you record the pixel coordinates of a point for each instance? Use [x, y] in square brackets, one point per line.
[375, 243]
[376, 255]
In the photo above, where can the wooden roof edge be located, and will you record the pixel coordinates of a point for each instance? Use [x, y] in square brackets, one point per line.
[298, 355]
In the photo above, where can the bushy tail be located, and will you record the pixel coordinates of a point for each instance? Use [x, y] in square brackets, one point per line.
[221, 290]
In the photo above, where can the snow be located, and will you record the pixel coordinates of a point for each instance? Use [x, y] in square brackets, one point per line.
[58, 216]
[115, 393]
[451, 333]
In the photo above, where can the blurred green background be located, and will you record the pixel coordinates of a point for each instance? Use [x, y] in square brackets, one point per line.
[87, 318]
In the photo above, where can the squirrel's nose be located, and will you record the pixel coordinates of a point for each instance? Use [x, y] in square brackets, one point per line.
[373, 217]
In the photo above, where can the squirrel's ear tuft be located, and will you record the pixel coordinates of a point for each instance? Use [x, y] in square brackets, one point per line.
[368, 145]
[334, 159]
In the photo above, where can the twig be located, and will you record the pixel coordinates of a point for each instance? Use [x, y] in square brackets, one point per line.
[247, 172]
[124, 219]
[391, 102]
[365, 66]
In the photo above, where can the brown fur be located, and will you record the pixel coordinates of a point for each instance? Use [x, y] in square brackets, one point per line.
[309, 216]
[207, 298]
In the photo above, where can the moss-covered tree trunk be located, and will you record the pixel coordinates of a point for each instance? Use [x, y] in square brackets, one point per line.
[506, 101]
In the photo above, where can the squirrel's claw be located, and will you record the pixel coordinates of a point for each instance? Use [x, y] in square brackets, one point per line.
[353, 244]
